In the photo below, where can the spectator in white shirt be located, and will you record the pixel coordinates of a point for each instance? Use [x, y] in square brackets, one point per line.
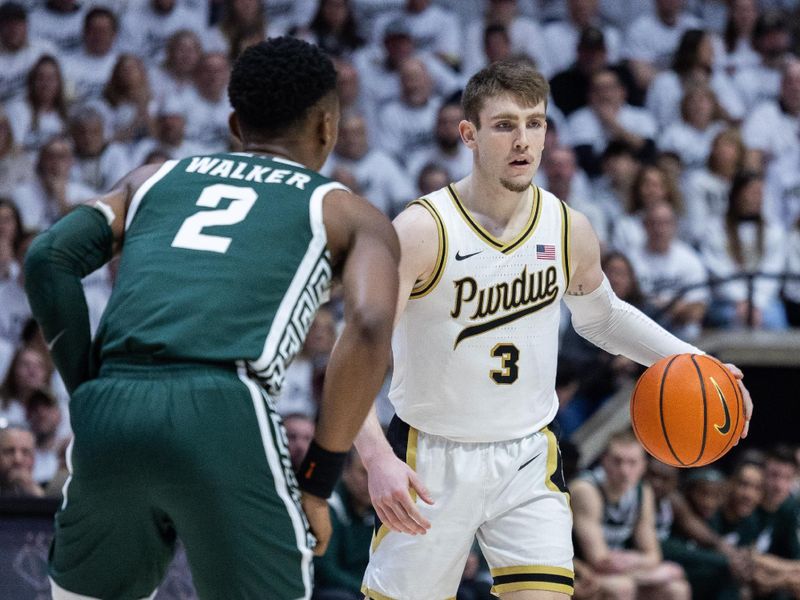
[42, 113]
[18, 51]
[735, 50]
[15, 164]
[352, 98]
[691, 137]
[706, 190]
[782, 198]
[526, 36]
[743, 243]
[612, 190]
[653, 38]
[334, 28]
[692, 64]
[380, 177]
[621, 13]
[608, 117]
[99, 164]
[378, 66]
[791, 290]
[128, 104]
[207, 123]
[243, 22]
[652, 185]
[562, 177]
[169, 134]
[407, 124]
[434, 29]
[174, 78]
[665, 267]
[16, 310]
[446, 150]
[762, 81]
[146, 27]
[59, 21]
[87, 70]
[772, 128]
[51, 194]
[562, 35]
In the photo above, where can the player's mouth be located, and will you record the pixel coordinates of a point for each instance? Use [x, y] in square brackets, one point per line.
[520, 163]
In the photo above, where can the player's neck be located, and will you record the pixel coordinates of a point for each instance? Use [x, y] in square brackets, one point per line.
[279, 150]
[492, 199]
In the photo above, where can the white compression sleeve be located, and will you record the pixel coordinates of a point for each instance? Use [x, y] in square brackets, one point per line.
[619, 328]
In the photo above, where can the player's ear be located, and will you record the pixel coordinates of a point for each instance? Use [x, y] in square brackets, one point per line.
[468, 131]
[233, 123]
[328, 124]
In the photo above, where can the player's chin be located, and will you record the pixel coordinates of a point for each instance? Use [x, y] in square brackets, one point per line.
[517, 183]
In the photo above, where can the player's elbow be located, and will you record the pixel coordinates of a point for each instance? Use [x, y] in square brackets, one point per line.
[372, 324]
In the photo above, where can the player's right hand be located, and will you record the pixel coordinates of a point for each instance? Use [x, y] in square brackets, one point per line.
[390, 484]
[319, 519]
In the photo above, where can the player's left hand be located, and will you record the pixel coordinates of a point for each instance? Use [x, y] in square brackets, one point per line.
[319, 519]
[748, 401]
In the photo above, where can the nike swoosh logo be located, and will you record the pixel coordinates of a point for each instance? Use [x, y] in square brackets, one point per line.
[726, 426]
[52, 342]
[527, 462]
[460, 256]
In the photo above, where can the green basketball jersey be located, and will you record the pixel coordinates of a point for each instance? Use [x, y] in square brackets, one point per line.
[225, 259]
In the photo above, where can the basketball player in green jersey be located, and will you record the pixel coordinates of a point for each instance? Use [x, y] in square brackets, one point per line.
[224, 260]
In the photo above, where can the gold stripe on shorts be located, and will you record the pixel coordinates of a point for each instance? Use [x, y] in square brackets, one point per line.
[533, 577]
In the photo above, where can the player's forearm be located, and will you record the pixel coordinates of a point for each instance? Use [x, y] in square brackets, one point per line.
[57, 260]
[619, 328]
[371, 442]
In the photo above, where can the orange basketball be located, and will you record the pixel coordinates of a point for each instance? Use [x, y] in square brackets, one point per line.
[687, 410]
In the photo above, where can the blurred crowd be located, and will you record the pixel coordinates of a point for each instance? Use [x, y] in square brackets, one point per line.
[674, 125]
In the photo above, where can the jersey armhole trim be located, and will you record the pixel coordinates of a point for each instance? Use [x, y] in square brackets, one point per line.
[144, 188]
[423, 288]
[565, 243]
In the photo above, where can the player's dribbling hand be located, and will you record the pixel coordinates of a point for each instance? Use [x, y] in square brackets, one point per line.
[748, 401]
[319, 519]
[390, 483]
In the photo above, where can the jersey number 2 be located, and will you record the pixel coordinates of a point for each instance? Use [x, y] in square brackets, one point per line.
[190, 235]
[509, 355]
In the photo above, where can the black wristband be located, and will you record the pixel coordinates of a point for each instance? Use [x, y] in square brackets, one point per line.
[320, 470]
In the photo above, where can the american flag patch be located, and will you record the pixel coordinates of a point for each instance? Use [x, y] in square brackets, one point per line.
[546, 251]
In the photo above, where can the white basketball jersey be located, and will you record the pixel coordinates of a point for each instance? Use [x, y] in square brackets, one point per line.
[475, 350]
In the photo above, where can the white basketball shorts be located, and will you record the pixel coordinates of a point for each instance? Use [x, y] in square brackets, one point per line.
[511, 495]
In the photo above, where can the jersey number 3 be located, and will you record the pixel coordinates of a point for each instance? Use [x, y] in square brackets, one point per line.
[509, 355]
[191, 236]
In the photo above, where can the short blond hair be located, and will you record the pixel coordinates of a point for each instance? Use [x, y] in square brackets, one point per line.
[516, 78]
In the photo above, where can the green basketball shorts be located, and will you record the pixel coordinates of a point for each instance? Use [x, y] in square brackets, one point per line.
[182, 450]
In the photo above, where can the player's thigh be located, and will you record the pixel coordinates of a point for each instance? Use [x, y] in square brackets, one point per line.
[408, 567]
[110, 540]
[238, 514]
[527, 541]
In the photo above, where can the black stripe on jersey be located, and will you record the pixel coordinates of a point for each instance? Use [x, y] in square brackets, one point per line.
[504, 320]
[565, 243]
[537, 211]
[476, 227]
[441, 257]
[534, 577]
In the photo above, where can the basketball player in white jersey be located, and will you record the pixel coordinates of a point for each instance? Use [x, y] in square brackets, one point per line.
[485, 263]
